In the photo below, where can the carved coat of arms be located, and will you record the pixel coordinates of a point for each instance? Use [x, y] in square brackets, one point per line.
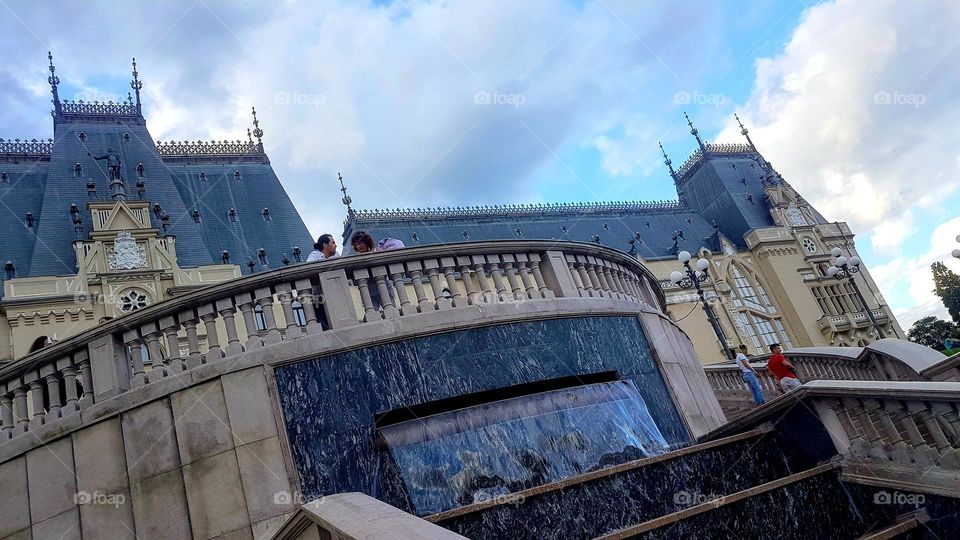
[126, 254]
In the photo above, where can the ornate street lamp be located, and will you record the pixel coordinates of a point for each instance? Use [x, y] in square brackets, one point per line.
[844, 268]
[956, 252]
[692, 278]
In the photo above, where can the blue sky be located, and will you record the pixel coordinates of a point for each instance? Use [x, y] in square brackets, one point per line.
[482, 102]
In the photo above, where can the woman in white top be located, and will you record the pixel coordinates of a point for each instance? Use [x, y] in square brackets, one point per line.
[749, 374]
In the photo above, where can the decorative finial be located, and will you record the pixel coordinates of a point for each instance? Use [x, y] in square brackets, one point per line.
[346, 198]
[744, 131]
[136, 85]
[695, 133]
[257, 132]
[54, 81]
[249, 136]
[667, 162]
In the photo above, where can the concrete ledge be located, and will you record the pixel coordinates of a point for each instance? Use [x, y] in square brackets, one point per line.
[358, 516]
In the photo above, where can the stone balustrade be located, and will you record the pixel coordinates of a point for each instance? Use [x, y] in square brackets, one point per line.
[883, 360]
[226, 320]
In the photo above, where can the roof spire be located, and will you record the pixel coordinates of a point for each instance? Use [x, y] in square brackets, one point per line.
[54, 81]
[695, 133]
[136, 84]
[744, 131]
[667, 162]
[257, 132]
[346, 198]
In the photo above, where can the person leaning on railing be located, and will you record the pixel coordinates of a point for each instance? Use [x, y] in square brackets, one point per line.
[362, 243]
[749, 374]
[782, 370]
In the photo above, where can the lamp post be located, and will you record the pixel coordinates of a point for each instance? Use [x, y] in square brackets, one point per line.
[844, 268]
[692, 278]
[956, 252]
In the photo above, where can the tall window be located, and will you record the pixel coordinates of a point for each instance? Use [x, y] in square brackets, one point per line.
[755, 313]
[837, 299]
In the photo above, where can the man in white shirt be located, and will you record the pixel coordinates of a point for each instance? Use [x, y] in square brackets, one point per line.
[325, 248]
[749, 375]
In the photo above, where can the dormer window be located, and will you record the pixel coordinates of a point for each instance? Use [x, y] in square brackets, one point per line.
[126, 137]
[29, 219]
[262, 255]
[297, 253]
[4, 178]
[82, 136]
[232, 215]
[78, 170]
[266, 214]
[140, 169]
[225, 257]
[196, 216]
[237, 176]
[203, 176]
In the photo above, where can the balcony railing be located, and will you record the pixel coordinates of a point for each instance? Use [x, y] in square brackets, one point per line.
[860, 319]
[226, 320]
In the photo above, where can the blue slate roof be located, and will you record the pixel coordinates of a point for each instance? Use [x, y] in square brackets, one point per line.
[45, 183]
[720, 192]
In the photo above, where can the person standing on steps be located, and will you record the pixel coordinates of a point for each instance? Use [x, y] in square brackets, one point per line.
[784, 371]
[749, 374]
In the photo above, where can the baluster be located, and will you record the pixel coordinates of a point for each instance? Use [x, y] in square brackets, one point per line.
[526, 277]
[132, 340]
[865, 443]
[82, 361]
[308, 301]
[432, 267]
[228, 314]
[21, 415]
[486, 292]
[575, 274]
[580, 268]
[361, 278]
[397, 274]
[923, 453]
[545, 291]
[264, 297]
[188, 319]
[920, 411]
[32, 378]
[618, 274]
[387, 302]
[946, 416]
[605, 273]
[6, 413]
[173, 361]
[69, 371]
[898, 448]
[449, 267]
[598, 286]
[513, 278]
[208, 315]
[52, 378]
[497, 275]
[244, 303]
[473, 292]
[285, 296]
[416, 276]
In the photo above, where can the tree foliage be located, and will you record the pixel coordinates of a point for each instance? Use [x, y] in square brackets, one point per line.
[930, 331]
[947, 287]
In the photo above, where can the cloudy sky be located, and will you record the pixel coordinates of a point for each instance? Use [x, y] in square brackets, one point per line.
[454, 103]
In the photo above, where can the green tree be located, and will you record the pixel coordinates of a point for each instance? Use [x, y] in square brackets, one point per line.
[930, 331]
[947, 287]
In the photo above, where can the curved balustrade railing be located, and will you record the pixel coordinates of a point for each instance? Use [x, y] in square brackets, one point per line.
[227, 319]
[884, 360]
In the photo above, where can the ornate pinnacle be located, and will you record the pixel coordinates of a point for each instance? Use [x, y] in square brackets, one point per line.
[54, 81]
[136, 84]
[744, 132]
[695, 132]
[346, 198]
[667, 162]
[257, 132]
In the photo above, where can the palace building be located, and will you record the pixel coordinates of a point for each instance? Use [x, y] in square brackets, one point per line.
[769, 250]
[102, 220]
[173, 368]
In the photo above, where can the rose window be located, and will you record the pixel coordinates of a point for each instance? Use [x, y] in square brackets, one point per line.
[132, 300]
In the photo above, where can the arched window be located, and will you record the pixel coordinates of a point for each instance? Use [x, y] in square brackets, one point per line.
[755, 314]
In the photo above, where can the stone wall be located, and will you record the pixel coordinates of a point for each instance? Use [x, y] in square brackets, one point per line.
[202, 462]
